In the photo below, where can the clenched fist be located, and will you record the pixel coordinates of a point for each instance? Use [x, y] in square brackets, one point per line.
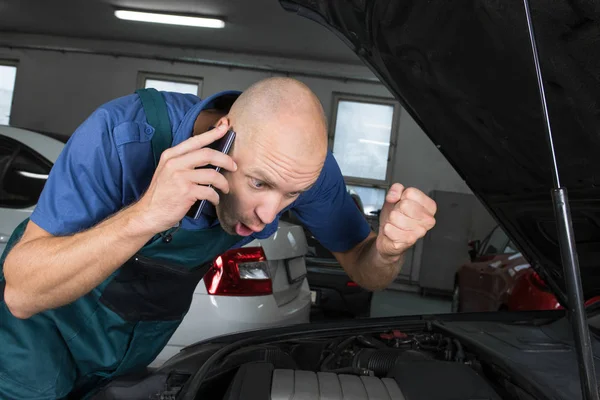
[406, 217]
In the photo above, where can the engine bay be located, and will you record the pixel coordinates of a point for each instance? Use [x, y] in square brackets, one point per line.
[392, 364]
[524, 358]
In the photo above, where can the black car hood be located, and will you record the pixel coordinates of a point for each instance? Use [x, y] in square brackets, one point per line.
[464, 71]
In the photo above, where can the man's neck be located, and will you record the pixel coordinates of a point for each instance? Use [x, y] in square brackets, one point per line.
[207, 119]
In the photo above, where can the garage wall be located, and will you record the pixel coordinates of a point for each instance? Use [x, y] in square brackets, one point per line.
[55, 91]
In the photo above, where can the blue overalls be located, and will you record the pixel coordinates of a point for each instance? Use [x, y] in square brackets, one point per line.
[122, 324]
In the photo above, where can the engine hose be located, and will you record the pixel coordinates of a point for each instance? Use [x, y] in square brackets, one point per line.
[382, 361]
[335, 353]
[460, 353]
[370, 341]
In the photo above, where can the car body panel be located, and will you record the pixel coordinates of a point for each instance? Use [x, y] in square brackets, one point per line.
[541, 359]
[285, 250]
[501, 281]
[505, 282]
[46, 146]
[499, 277]
[488, 285]
[527, 295]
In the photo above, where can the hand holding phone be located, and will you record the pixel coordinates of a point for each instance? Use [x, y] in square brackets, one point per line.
[178, 183]
[223, 145]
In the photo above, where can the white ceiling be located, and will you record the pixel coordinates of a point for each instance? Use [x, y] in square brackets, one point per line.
[252, 26]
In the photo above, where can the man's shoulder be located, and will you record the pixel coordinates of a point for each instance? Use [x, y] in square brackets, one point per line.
[129, 108]
[329, 212]
[122, 120]
[118, 135]
[328, 181]
[331, 168]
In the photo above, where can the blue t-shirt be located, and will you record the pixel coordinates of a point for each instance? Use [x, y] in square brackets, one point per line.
[108, 164]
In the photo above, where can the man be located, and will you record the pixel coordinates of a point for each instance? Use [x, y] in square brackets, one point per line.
[102, 274]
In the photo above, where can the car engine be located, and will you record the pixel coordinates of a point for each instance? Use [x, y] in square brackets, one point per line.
[370, 364]
[391, 365]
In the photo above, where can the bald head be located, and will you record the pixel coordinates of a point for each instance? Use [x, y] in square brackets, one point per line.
[280, 109]
[280, 149]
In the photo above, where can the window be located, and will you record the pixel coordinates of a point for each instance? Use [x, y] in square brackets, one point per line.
[372, 198]
[23, 174]
[496, 242]
[8, 76]
[364, 133]
[170, 83]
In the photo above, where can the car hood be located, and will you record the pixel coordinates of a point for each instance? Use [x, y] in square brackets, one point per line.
[464, 71]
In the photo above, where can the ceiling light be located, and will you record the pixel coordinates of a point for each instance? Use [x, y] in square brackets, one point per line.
[170, 19]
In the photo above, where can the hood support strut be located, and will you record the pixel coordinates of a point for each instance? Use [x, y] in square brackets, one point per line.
[568, 250]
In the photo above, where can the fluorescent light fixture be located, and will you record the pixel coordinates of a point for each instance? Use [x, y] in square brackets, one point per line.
[32, 175]
[169, 19]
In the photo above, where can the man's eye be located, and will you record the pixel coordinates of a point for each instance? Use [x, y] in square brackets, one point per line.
[293, 194]
[257, 184]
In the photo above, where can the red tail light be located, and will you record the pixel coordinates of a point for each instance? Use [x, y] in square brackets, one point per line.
[351, 284]
[240, 272]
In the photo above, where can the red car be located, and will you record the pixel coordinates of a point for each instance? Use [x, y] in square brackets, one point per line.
[499, 278]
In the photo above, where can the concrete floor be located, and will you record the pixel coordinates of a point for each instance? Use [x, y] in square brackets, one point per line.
[393, 303]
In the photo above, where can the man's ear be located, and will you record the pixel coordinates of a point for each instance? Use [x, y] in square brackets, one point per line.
[206, 121]
[223, 121]
[227, 122]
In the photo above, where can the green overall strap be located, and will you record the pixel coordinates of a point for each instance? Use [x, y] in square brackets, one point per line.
[157, 116]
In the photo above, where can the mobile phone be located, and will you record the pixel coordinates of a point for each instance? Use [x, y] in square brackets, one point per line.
[223, 145]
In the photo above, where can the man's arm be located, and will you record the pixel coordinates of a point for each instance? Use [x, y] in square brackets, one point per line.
[406, 217]
[371, 260]
[365, 266]
[44, 271]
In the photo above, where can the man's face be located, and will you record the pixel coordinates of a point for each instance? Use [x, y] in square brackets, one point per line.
[272, 172]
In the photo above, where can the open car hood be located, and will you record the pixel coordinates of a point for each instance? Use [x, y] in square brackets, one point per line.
[464, 71]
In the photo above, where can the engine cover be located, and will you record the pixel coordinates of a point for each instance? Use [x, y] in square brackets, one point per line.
[427, 379]
[260, 381]
[307, 385]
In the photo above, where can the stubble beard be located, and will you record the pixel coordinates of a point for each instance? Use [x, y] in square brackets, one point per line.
[224, 215]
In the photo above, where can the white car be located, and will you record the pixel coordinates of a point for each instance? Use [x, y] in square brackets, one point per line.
[270, 274]
[25, 160]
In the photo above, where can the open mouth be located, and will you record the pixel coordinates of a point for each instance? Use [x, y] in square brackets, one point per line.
[243, 230]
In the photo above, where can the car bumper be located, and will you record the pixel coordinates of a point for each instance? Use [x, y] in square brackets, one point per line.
[212, 316]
